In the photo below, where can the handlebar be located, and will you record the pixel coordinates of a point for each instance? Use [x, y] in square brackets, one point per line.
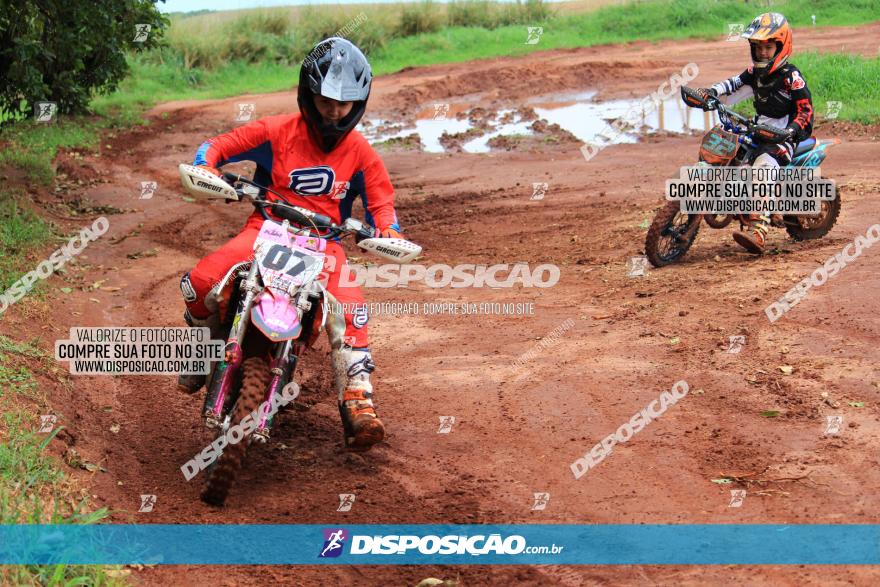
[302, 216]
[732, 121]
[230, 178]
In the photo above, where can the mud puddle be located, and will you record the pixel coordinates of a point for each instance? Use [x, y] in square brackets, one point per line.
[442, 126]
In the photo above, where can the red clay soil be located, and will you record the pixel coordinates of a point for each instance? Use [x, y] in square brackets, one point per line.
[516, 432]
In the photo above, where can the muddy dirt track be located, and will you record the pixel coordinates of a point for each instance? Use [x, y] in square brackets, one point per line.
[515, 433]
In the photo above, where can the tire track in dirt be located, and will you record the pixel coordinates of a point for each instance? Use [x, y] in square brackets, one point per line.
[515, 436]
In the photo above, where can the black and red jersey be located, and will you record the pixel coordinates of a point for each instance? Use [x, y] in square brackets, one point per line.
[782, 97]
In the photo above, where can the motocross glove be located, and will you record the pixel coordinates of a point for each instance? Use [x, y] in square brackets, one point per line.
[377, 233]
[213, 170]
[708, 95]
[792, 135]
[390, 233]
[218, 173]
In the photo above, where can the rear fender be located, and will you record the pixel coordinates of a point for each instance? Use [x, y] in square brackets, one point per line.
[815, 156]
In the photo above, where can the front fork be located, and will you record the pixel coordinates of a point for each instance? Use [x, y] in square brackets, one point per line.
[223, 379]
[282, 365]
[284, 360]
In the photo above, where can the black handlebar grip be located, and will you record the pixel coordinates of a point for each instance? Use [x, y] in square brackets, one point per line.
[321, 220]
[770, 134]
[229, 177]
[301, 218]
[296, 216]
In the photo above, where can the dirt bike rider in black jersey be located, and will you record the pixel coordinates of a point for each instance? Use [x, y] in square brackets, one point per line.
[782, 100]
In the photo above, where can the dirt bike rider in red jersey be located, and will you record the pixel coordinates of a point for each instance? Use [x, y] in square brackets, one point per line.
[318, 161]
[782, 100]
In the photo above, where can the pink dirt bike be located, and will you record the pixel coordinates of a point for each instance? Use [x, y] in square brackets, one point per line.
[273, 305]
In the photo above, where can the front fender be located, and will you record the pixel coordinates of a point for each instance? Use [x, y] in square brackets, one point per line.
[276, 316]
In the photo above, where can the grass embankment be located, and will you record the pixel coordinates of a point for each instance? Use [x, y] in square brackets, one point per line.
[848, 79]
[31, 146]
[253, 51]
[20, 230]
[231, 53]
[34, 489]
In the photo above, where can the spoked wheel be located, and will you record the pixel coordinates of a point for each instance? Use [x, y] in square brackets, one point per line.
[221, 476]
[811, 227]
[671, 235]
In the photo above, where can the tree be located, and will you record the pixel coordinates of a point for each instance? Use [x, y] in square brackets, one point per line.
[65, 51]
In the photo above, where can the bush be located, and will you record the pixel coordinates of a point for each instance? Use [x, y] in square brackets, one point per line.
[420, 18]
[469, 13]
[65, 51]
[491, 15]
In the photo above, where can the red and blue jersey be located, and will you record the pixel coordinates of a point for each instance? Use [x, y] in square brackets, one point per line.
[291, 164]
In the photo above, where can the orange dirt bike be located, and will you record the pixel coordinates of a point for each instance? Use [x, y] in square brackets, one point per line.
[732, 143]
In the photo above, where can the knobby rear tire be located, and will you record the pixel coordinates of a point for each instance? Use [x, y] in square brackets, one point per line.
[818, 226]
[221, 477]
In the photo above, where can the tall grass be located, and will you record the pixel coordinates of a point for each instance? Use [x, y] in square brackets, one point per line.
[285, 35]
[491, 15]
[420, 18]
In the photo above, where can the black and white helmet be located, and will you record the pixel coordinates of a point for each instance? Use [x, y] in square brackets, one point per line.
[338, 70]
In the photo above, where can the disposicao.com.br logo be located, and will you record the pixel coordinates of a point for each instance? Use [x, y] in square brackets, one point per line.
[411, 544]
[334, 541]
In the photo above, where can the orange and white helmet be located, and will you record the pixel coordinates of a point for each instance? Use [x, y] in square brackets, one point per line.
[770, 26]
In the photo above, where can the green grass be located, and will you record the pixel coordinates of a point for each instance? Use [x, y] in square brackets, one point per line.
[849, 79]
[151, 83]
[33, 145]
[21, 232]
[19, 379]
[646, 21]
[840, 77]
[18, 351]
[168, 74]
[33, 487]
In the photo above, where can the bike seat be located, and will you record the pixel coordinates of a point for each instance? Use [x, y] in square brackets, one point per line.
[804, 146]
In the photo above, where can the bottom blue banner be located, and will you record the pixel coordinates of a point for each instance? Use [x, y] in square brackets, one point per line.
[509, 544]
